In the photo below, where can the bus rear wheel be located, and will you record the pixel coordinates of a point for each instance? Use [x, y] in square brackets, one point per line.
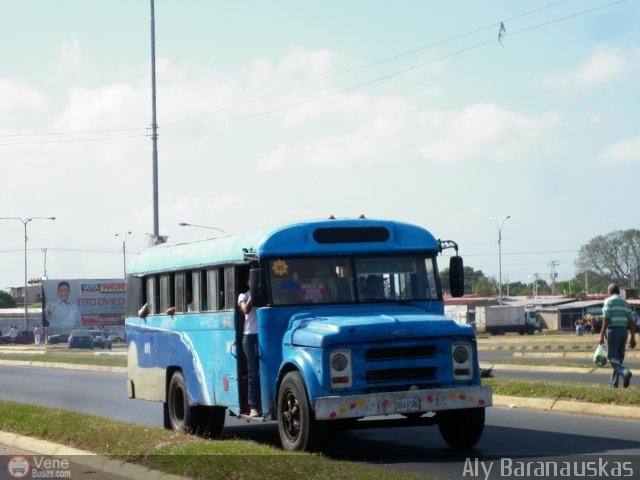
[461, 429]
[179, 410]
[297, 427]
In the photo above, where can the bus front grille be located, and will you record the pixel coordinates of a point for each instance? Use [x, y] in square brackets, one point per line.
[401, 353]
[419, 374]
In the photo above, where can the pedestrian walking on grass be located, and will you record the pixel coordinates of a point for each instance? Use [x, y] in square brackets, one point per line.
[617, 325]
[13, 334]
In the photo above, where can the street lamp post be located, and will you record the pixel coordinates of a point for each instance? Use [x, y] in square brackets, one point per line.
[185, 224]
[499, 228]
[25, 222]
[123, 238]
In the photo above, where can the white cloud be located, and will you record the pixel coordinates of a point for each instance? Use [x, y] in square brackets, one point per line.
[605, 65]
[19, 102]
[622, 152]
[117, 106]
[482, 131]
[372, 130]
[274, 160]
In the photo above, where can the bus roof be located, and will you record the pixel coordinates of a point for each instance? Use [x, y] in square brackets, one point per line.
[317, 237]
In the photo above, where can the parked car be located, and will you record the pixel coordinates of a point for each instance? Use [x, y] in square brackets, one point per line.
[58, 338]
[100, 339]
[19, 339]
[116, 334]
[80, 339]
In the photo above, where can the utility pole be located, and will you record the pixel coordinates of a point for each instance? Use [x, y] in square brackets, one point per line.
[586, 282]
[553, 275]
[499, 229]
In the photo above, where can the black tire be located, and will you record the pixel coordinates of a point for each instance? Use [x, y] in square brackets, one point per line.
[179, 410]
[461, 429]
[208, 421]
[297, 426]
[165, 416]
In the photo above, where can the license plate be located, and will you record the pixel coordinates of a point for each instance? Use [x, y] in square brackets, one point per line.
[411, 404]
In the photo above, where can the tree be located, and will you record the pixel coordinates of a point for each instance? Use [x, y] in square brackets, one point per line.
[6, 300]
[615, 255]
[471, 276]
[485, 286]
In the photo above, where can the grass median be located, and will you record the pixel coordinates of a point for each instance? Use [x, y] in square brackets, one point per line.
[177, 453]
[595, 392]
[62, 354]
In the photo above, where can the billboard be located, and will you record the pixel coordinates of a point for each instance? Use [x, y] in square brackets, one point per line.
[83, 302]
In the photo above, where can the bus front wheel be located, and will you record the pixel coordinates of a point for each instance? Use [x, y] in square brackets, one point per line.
[180, 413]
[461, 429]
[297, 426]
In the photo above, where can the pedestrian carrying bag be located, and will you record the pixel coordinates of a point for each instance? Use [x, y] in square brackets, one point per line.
[600, 356]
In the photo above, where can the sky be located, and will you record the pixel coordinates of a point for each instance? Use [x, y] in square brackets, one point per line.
[450, 115]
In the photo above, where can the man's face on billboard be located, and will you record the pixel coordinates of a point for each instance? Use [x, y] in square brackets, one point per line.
[63, 293]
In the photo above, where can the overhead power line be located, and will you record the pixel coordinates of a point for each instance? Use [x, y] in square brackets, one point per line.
[501, 36]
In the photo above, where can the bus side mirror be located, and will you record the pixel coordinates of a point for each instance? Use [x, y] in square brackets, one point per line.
[456, 276]
[257, 286]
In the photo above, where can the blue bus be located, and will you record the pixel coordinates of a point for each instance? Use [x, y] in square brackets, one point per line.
[351, 326]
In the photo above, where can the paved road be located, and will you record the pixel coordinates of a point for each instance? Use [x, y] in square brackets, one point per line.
[510, 433]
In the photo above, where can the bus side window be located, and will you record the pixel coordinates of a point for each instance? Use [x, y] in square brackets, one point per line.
[180, 293]
[153, 297]
[221, 297]
[136, 296]
[167, 299]
[212, 289]
[195, 291]
[229, 290]
[204, 290]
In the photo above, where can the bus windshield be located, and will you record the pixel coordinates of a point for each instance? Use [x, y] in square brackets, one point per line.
[299, 281]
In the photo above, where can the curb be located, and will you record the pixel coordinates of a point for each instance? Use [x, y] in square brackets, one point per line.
[85, 458]
[66, 366]
[567, 406]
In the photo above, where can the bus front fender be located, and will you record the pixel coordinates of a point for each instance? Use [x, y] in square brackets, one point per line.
[310, 369]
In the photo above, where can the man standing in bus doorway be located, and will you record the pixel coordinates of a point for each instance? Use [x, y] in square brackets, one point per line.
[617, 317]
[250, 347]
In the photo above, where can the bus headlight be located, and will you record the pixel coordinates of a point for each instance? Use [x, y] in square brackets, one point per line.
[340, 369]
[339, 362]
[462, 361]
[461, 354]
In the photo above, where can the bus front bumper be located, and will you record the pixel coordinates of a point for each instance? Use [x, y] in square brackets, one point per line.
[406, 401]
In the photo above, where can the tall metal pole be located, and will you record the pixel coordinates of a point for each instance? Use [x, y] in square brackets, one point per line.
[44, 250]
[26, 316]
[154, 129]
[500, 255]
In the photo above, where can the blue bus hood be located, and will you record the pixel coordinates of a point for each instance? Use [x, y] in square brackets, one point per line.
[321, 331]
